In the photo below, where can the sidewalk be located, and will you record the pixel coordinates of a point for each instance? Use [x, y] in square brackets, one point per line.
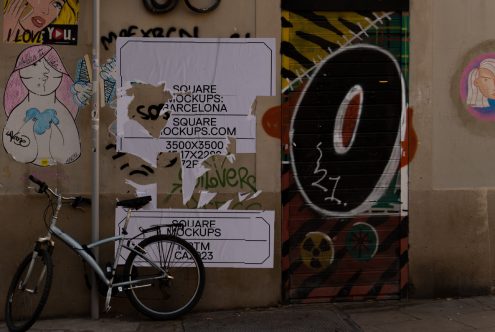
[468, 314]
[313, 317]
[442, 315]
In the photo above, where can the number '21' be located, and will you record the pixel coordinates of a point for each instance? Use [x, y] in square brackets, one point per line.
[324, 173]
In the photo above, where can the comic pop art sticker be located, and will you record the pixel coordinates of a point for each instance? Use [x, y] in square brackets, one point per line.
[477, 87]
[41, 110]
[40, 21]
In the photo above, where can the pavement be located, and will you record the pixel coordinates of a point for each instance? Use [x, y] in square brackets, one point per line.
[437, 315]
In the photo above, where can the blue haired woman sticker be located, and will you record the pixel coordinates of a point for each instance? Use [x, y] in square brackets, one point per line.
[478, 87]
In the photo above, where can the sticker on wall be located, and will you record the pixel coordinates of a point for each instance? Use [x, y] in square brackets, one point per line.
[40, 109]
[477, 87]
[40, 21]
[83, 87]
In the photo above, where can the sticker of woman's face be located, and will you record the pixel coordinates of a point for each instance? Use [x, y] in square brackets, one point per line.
[41, 78]
[41, 14]
[486, 83]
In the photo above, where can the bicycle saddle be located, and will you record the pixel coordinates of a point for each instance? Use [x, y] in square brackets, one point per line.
[135, 203]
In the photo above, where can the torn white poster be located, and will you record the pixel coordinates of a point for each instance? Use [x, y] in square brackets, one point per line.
[213, 84]
[241, 238]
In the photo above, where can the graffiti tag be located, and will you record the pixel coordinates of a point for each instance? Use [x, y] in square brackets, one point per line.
[21, 140]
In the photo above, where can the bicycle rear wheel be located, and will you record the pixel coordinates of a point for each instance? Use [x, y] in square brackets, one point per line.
[156, 295]
[27, 297]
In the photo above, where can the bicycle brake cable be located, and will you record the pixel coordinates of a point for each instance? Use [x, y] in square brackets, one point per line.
[45, 213]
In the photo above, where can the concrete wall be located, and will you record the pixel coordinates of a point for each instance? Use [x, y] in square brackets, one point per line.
[451, 176]
[22, 209]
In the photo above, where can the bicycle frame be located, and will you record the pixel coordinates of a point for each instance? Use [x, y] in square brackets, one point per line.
[82, 251]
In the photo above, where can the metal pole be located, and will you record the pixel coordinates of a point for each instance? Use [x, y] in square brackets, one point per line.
[95, 125]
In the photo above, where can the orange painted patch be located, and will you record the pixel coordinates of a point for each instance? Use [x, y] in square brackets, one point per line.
[271, 121]
[410, 144]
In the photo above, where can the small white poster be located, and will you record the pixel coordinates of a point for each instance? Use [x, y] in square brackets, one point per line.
[240, 238]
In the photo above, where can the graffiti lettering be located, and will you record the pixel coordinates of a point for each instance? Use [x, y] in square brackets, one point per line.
[318, 170]
[323, 177]
[152, 112]
[156, 32]
[21, 140]
[228, 177]
[153, 32]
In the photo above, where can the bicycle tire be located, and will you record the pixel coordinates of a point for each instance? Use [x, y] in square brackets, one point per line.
[16, 295]
[204, 9]
[156, 7]
[165, 298]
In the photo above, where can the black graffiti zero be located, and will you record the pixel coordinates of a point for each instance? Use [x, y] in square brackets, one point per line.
[160, 7]
[346, 181]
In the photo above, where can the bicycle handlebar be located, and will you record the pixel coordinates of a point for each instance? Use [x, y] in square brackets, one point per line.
[42, 185]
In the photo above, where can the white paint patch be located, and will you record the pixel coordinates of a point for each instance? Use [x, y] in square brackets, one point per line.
[189, 177]
[256, 194]
[205, 197]
[243, 196]
[226, 206]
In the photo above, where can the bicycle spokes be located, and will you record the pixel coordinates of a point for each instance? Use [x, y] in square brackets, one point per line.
[170, 276]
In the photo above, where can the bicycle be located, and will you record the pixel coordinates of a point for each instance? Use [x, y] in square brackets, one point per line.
[163, 275]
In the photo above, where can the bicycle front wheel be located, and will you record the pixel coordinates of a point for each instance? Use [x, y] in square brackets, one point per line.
[28, 291]
[155, 294]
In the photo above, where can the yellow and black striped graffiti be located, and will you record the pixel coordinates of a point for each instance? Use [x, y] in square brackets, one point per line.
[309, 37]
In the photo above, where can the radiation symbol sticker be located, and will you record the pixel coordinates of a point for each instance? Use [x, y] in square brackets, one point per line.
[317, 250]
[362, 241]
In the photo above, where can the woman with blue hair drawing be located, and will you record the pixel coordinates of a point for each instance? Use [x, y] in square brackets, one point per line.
[481, 87]
[41, 112]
